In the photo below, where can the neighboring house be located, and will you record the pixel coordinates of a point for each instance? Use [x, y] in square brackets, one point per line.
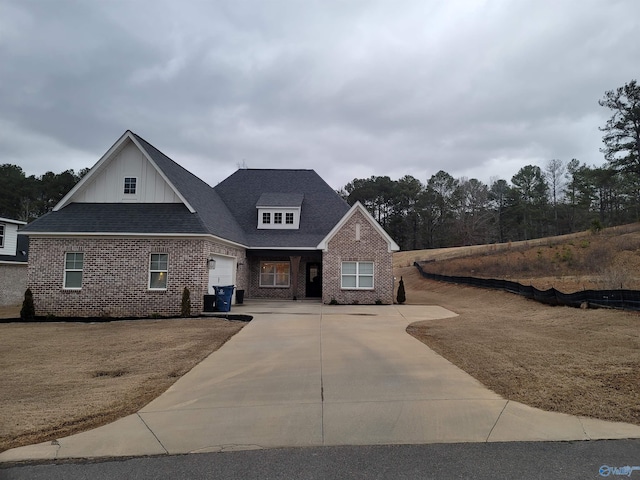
[138, 228]
[14, 250]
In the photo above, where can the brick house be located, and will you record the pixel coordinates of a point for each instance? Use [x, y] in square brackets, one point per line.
[138, 228]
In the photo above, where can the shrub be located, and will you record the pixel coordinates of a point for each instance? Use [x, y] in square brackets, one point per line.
[185, 306]
[596, 226]
[28, 311]
[401, 298]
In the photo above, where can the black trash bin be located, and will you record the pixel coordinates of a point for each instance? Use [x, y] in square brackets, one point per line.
[209, 303]
[239, 296]
[223, 298]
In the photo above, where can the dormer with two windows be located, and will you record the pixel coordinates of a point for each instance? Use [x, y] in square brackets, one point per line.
[279, 211]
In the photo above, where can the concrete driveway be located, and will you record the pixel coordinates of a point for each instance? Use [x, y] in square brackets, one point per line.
[306, 374]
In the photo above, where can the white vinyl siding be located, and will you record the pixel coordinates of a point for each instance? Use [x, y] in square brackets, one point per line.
[275, 274]
[73, 266]
[357, 275]
[158, 271]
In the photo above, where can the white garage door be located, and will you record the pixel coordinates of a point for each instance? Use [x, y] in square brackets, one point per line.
[222, 273]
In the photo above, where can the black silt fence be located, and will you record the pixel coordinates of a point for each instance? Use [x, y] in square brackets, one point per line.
[620, 299]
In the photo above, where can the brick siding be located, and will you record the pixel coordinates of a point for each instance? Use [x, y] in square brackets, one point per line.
[115, 275]
[371, 247]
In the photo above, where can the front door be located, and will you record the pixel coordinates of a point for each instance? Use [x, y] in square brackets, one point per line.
[314, 280]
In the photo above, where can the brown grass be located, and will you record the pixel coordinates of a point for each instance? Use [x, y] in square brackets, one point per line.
[607, 260]
[581, 362]
[63, 378]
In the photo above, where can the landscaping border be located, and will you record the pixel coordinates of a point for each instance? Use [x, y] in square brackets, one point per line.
[619, 299]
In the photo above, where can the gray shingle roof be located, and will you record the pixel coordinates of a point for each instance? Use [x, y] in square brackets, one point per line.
[227, 210]
[321, 207]
[212, 211]
[119, 218]
[280, 200]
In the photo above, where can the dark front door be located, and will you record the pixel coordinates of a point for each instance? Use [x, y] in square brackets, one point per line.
[314, 280]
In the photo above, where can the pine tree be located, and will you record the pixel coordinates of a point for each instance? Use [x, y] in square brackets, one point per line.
[28, 311]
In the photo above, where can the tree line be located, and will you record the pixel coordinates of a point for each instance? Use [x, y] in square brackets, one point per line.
[26, 198]
[564, 197]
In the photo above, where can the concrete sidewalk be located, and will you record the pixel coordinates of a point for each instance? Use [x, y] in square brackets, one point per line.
[306, 374]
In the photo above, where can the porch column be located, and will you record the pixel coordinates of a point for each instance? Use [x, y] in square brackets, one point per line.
[295, 266]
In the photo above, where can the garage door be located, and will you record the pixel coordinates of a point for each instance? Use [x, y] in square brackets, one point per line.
[222, 273]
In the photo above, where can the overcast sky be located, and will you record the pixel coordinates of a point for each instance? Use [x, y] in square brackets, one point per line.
[350, 88]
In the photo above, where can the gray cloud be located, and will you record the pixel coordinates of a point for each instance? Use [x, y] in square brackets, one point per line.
[351, 89]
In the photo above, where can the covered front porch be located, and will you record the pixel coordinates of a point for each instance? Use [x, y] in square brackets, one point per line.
[284, 274]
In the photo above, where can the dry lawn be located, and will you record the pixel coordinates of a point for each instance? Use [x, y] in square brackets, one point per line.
[607, 260]
[61, 378]
[582, 362]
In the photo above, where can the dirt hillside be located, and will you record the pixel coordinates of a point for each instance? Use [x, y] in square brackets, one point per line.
[609, 259]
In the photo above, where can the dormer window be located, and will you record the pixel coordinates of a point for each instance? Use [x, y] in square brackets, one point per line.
[130, 184]
[279, 211]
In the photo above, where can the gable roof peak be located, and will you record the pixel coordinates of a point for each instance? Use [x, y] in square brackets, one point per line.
[392, 245]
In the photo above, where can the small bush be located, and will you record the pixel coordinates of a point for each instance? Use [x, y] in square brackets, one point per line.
[333, 302]
[28, 310]
[596, 226]
[401, 298]
[185, 306]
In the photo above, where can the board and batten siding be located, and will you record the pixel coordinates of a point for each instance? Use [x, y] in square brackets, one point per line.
[108, 186]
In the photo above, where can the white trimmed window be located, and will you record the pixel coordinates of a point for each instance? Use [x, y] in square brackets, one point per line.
[357, 275]
[130, 184]
[73, 265]
[158, 270]
[279, 218]
[275, 274]
[1, 236]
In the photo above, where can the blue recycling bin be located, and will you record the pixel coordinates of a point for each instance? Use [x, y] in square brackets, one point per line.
[223, 298]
